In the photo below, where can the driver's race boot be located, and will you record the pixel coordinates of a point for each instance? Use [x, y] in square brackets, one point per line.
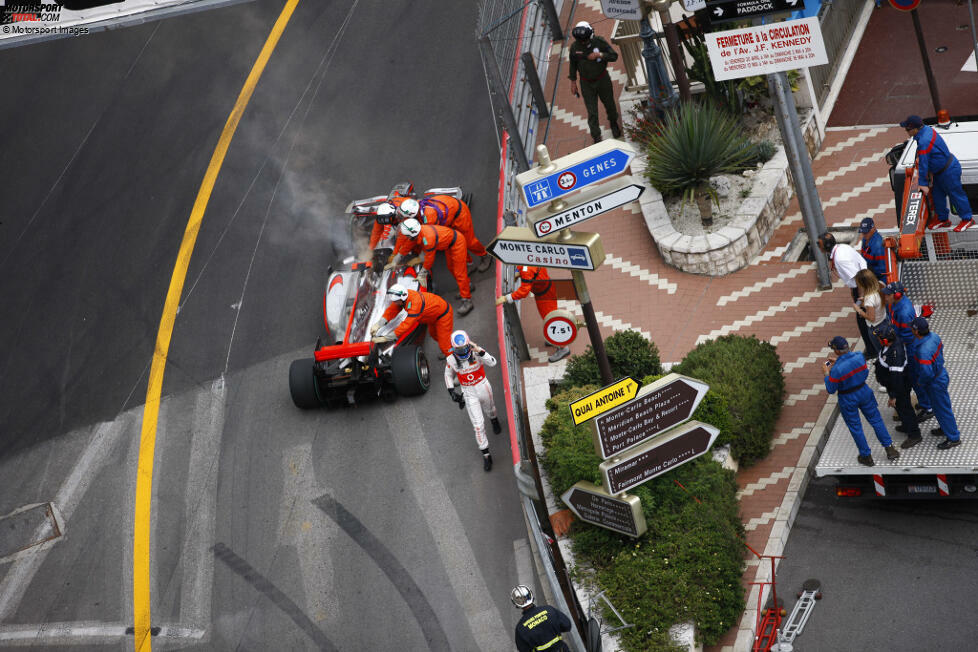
[486, 461]
[465, 307]
[496, 426]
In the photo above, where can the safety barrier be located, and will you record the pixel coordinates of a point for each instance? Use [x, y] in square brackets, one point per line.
[509, 29]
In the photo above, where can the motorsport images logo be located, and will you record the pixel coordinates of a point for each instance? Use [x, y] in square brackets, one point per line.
[26, 11]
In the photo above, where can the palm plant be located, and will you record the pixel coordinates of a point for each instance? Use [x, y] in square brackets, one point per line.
[696, 142]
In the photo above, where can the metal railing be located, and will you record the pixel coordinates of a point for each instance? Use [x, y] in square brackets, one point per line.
[837, 20]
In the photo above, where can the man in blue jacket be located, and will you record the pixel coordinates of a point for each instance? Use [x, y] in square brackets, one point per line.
[935, 161]
[847, 376]
[900, 311]
[934, 380]
[872, 248]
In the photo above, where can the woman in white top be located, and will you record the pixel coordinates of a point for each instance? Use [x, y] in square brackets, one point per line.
[869, 306]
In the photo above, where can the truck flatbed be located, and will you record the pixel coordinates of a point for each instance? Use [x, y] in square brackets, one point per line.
[951, 287]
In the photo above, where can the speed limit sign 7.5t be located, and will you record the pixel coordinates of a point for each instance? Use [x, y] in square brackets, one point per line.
[559, 327]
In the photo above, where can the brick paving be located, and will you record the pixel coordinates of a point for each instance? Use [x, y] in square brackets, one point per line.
[776, 301]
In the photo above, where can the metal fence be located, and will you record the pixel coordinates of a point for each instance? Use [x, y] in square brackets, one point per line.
[508, 30]
[838, 19]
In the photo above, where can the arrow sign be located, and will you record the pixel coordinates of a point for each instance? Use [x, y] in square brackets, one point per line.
[658, 456]
[517, 245]
[606, 398]
[591, 504]
[618, 195]
[663, 404]
[575, 171]
[727, 10]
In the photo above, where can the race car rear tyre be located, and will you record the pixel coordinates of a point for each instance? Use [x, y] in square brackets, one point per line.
[409, 371]
[303, 386]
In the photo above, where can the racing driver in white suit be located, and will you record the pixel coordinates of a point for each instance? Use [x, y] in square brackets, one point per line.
[467, 363]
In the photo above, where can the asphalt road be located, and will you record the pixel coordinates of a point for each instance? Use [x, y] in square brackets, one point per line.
[365, 528]
[895, 575]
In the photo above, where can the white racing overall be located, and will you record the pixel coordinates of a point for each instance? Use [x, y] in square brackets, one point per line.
[476, 390]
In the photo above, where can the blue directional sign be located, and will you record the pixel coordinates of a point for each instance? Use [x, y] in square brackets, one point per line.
[574, 177]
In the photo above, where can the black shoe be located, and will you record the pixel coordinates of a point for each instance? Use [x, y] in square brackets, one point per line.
[902, 428]
[866, 460]
[937, 432]
[892, 453]
[910, 442]
[597, 139]
[947, 443]
[923, 415]
[496, 427]
[616, 133]
[486, 462]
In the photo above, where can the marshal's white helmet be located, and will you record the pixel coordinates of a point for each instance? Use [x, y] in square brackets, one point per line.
[582, 31]
[521, 596]
[411, 228]
[461, 345]
[385, 213]
[409, 208]
[397, 292]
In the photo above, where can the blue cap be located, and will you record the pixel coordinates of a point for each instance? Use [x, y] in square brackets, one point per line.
[912, 122]
[866, 225]
[920, 325]
[838, 342]
[892, 288]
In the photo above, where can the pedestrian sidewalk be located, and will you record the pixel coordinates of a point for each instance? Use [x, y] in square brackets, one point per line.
[776, 301]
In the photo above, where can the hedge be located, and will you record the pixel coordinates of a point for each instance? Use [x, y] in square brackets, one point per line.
[687, 566]
[747, 373]
[629, 354]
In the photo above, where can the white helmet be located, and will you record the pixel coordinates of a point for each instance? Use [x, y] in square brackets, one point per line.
[461, 345]
[582, 31]
[409, 208]
[521, 596]
[397, 292]
[386, 213]
[411, 228]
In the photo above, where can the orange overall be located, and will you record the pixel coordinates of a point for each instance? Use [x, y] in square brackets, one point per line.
[440, 238]
[445, 210]
[544, 293]
[380, 231]
[429, 309]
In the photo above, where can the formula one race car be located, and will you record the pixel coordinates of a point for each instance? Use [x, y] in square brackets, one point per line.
[353, 367]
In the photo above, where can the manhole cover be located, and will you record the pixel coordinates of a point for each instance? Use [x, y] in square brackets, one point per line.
[26, 528]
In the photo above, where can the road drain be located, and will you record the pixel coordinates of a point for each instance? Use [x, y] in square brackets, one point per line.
[27, 527]
[799, 249]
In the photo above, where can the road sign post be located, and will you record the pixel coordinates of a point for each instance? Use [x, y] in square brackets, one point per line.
[550, 180]
[667, 402]
[560, 327]
[592, 504]
[588, 204]
[517, 245]
[665, 452]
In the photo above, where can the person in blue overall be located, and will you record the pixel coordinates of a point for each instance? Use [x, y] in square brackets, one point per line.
[935, 161]
[901, 313]
[872, 248]
[934, 380]
[847, 376]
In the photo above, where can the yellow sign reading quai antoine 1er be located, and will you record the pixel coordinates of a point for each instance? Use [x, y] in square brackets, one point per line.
[603, 400]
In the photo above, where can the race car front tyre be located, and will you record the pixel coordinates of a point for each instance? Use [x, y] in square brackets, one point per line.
[409, 370]
[303, 386]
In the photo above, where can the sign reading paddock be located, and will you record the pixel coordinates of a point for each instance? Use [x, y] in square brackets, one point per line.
[590, 503]
[654, 458]
[516, 245]
[573, 172]
[660, 405]
[606, 398]
[740, 9]
[767, 48]
[587, 209]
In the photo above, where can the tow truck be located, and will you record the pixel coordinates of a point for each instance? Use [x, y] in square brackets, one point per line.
[939, 270]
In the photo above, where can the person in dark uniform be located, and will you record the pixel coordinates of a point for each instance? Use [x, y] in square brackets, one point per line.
[540, 628]
[893, 373]
[590, 56]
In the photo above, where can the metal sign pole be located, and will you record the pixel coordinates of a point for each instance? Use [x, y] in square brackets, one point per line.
[593, 331]
[931, 82]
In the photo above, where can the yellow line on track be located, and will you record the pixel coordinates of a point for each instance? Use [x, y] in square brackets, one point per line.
[147, 443]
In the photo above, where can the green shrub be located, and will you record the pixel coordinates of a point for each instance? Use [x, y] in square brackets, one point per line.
[629, 354]
[747, 373]
[698, 141]
[762, 152]
[689, 564]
